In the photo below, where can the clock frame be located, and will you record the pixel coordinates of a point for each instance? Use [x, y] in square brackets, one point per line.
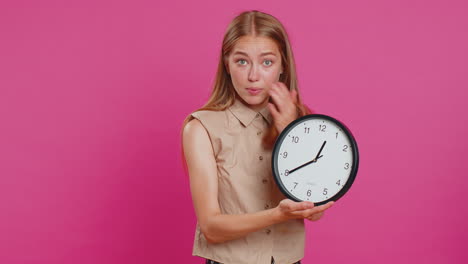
[283, 135]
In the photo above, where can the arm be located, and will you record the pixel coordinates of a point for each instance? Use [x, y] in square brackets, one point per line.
[218, 227]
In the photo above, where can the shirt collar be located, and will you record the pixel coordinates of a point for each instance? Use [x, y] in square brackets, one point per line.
[246, 115]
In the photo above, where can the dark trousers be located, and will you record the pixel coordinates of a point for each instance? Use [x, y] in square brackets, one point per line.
[208, 261]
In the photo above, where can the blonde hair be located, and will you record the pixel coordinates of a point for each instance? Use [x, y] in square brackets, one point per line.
[252, 23]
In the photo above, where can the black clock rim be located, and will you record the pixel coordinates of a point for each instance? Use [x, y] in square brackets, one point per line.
[354, 148]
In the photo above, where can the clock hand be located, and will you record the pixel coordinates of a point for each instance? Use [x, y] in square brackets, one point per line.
[321, 148]
[312, 161]
[305, 164]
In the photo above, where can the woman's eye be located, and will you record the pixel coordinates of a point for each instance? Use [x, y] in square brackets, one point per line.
[270, 62]
[241, 61]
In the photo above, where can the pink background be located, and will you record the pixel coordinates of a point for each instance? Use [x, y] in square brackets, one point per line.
[93, 95]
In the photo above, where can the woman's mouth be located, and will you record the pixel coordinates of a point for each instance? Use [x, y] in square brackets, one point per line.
[254, 91]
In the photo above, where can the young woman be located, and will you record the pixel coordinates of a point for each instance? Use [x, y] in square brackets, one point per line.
[242, 216]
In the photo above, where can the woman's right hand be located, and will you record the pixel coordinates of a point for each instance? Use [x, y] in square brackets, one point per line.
[288, 209]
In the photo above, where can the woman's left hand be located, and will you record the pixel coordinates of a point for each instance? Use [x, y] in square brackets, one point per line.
[283, 109]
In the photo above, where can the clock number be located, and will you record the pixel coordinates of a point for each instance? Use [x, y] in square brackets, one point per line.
[295, 139]
[295, 184]
[309, 193]
[338, 182]
[325, 191]
[336, 134]
[306, 130]
[286, 172]
[345, 147]
[322, 128]
[346, 166]
[284, 154]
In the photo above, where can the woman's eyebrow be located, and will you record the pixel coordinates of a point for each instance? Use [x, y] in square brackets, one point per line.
[262, 54]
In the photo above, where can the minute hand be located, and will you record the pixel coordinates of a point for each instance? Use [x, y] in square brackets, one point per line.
[305, 164]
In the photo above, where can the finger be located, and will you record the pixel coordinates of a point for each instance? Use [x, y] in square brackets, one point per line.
[324, 207]
[299, 206]
[272, 91]
[311, 212]
[287, 96]
[303, 205]
[304, 213]
[282, 89]
[294, 96]
[284, 95]
[277, 98]
[315, 210]
[274, 112]
[312, 217]
[316, 217]
[281, 96]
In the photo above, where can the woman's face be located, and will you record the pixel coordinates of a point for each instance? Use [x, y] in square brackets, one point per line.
[254, 65]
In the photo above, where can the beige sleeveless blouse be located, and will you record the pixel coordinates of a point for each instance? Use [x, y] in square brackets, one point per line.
[246, 185]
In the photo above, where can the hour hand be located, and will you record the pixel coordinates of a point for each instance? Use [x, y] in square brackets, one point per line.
[320, 151]
[318, 157]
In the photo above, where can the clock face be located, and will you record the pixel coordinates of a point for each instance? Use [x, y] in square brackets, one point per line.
[315, 159]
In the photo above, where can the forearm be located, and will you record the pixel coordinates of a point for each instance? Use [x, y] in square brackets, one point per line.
[224, 227]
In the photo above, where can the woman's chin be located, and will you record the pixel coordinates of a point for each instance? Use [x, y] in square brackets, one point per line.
[255, 100]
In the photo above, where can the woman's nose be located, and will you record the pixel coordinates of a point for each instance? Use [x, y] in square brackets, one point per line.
[253, 73]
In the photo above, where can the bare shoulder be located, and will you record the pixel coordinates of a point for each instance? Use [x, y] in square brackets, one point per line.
[194, 131]
[193, 126]
[196, 142]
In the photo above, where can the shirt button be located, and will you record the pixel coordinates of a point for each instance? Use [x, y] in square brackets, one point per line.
[259, 132]
[265, 181]
[268, 231]
[267, 206]
[260, 158]
[258, 114]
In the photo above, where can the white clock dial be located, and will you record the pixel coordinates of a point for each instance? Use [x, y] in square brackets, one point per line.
[314, 159]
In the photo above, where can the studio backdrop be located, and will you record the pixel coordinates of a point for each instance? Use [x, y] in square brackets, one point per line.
[93, 95]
